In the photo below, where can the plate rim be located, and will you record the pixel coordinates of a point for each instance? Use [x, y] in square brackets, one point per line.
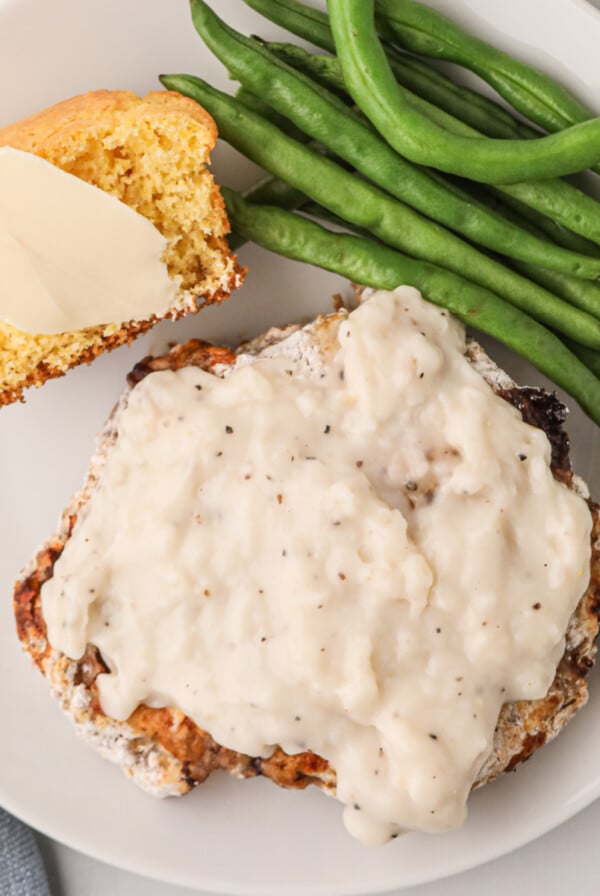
[495, 851]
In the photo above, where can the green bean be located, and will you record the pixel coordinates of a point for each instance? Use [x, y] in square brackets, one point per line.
[382, 268]
[325, 70]
[463, 102]
[426, 31]
[266, 191]
[581, 293]
[588, 356]
[327, 120]
[488, 117]
[560, 202]
[575, 213]
[365, 205]
[557, 232]
[565, 214]
[269, 191]
[254, 102]
[473, 108]
[467, 105]
[373, 87]
[304, 21]
[323, 214]
[562, 205]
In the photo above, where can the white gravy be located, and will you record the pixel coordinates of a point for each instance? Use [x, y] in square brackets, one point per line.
[356, 549]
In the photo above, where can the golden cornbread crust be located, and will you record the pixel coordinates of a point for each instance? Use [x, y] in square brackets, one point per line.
[151, 153]
[165, 753]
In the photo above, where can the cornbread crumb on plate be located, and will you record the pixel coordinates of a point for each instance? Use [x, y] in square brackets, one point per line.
[151, 153]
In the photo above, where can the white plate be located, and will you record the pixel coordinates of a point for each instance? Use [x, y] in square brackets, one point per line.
[227, 836]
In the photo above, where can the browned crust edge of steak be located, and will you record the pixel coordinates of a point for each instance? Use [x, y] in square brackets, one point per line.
[522, 727]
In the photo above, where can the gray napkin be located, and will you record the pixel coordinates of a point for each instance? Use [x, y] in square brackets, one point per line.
[22, 872]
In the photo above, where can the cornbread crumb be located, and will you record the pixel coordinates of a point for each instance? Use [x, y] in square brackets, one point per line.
[152, 154]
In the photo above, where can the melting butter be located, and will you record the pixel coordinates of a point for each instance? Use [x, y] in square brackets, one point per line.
[71, 255]
[349, 545]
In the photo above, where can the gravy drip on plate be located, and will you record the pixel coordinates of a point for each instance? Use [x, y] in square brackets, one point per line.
[348, 545]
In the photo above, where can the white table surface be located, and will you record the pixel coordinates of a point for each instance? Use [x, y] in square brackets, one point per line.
[548, 866]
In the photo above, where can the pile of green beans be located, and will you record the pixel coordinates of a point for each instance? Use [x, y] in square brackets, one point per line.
[517, 256]
[371, 82]
[393, 222]
[425, 31]
[576, 214]
[459, 101]
[570, 208]
[319, 114]
[423, 82]
[365, 262]
[417, 137]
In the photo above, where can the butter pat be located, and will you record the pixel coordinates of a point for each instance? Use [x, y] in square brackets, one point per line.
[71, 255]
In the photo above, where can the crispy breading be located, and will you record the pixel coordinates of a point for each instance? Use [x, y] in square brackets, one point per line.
[166, 754]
